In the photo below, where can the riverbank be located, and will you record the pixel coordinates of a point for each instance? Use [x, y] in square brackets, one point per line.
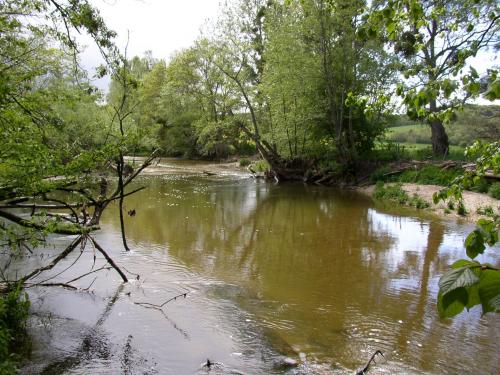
[475, 203]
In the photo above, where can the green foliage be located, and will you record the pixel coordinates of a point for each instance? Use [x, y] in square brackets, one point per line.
[244, 162]
[418, 202]
[470, 283]
[467, 284]
[434, 41]
[260, 166]
[379, 174]
[494, 190]
[472, 122]
[393, 192]
[389, 151]
[486, 210]
[14, 306]
[427, 175]
[461, 210]
[430, 175]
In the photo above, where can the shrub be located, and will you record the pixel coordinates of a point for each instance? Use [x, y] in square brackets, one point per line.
[461, 209]
[494, 190]
[260, 166]
[390, 192]
[378, 174]
[418, 202]
[486, 210]
[396, 193]
[481, 186]
[14, 307]
[244, 162]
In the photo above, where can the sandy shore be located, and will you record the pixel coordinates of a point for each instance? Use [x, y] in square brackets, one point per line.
[472, 201]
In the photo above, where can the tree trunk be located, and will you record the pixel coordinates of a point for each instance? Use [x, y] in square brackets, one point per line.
[439, 138]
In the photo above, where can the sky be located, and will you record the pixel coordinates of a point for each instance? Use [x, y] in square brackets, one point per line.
[161, 26]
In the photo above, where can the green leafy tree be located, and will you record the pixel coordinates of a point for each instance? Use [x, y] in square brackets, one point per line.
[435, 41]
[58, 143]
[321, 79]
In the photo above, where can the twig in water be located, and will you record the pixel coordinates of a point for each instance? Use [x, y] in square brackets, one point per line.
[159, 307]
[364, 370]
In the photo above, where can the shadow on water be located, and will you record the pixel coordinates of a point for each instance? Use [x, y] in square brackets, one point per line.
[96, 345]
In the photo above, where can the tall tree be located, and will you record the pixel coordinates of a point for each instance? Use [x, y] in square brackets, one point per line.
[320, 75]
[435, 40]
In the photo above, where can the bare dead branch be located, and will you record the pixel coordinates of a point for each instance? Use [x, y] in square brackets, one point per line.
[109, 259]
[159, 307]
[72, 246]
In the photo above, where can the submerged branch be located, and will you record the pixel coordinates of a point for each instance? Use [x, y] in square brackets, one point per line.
[108, 259]
[159, 307]
[364, 370]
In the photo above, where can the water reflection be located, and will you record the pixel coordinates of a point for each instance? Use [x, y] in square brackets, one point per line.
[321, 271]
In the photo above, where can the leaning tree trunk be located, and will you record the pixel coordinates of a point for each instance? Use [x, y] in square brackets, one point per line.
[439, 138]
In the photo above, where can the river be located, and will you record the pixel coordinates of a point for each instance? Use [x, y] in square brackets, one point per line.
[272, 273]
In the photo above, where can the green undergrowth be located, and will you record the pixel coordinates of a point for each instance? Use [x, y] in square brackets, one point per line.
[395, 193]
[14, 343]
[494, 190]
[260, 166]
[394, 151]
[428, 175]
[244, 162]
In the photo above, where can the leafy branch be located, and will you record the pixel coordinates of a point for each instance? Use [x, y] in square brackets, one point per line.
[470, 283]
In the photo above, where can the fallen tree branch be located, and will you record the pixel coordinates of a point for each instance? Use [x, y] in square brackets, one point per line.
[78, 229]
[62, 285]
[72, 246]
[108, 258]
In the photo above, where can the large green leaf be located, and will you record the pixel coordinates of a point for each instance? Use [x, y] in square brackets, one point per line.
[465, 263]
[452, 303]
[489, 291]
[457, 278]
[474, 243]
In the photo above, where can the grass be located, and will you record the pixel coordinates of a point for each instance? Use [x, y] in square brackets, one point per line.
[430, 175]
[427, 175]
[392, 151]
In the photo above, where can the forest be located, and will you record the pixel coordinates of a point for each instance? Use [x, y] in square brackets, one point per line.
[325, 92]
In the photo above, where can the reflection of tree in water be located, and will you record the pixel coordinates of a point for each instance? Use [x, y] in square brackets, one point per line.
[299, 246]
[416, 312]
[313, 265]
[96, 345]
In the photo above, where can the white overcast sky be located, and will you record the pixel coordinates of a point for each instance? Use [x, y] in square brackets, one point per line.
[161, 26]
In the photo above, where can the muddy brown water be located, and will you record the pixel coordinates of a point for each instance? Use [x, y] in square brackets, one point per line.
[321, 276]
